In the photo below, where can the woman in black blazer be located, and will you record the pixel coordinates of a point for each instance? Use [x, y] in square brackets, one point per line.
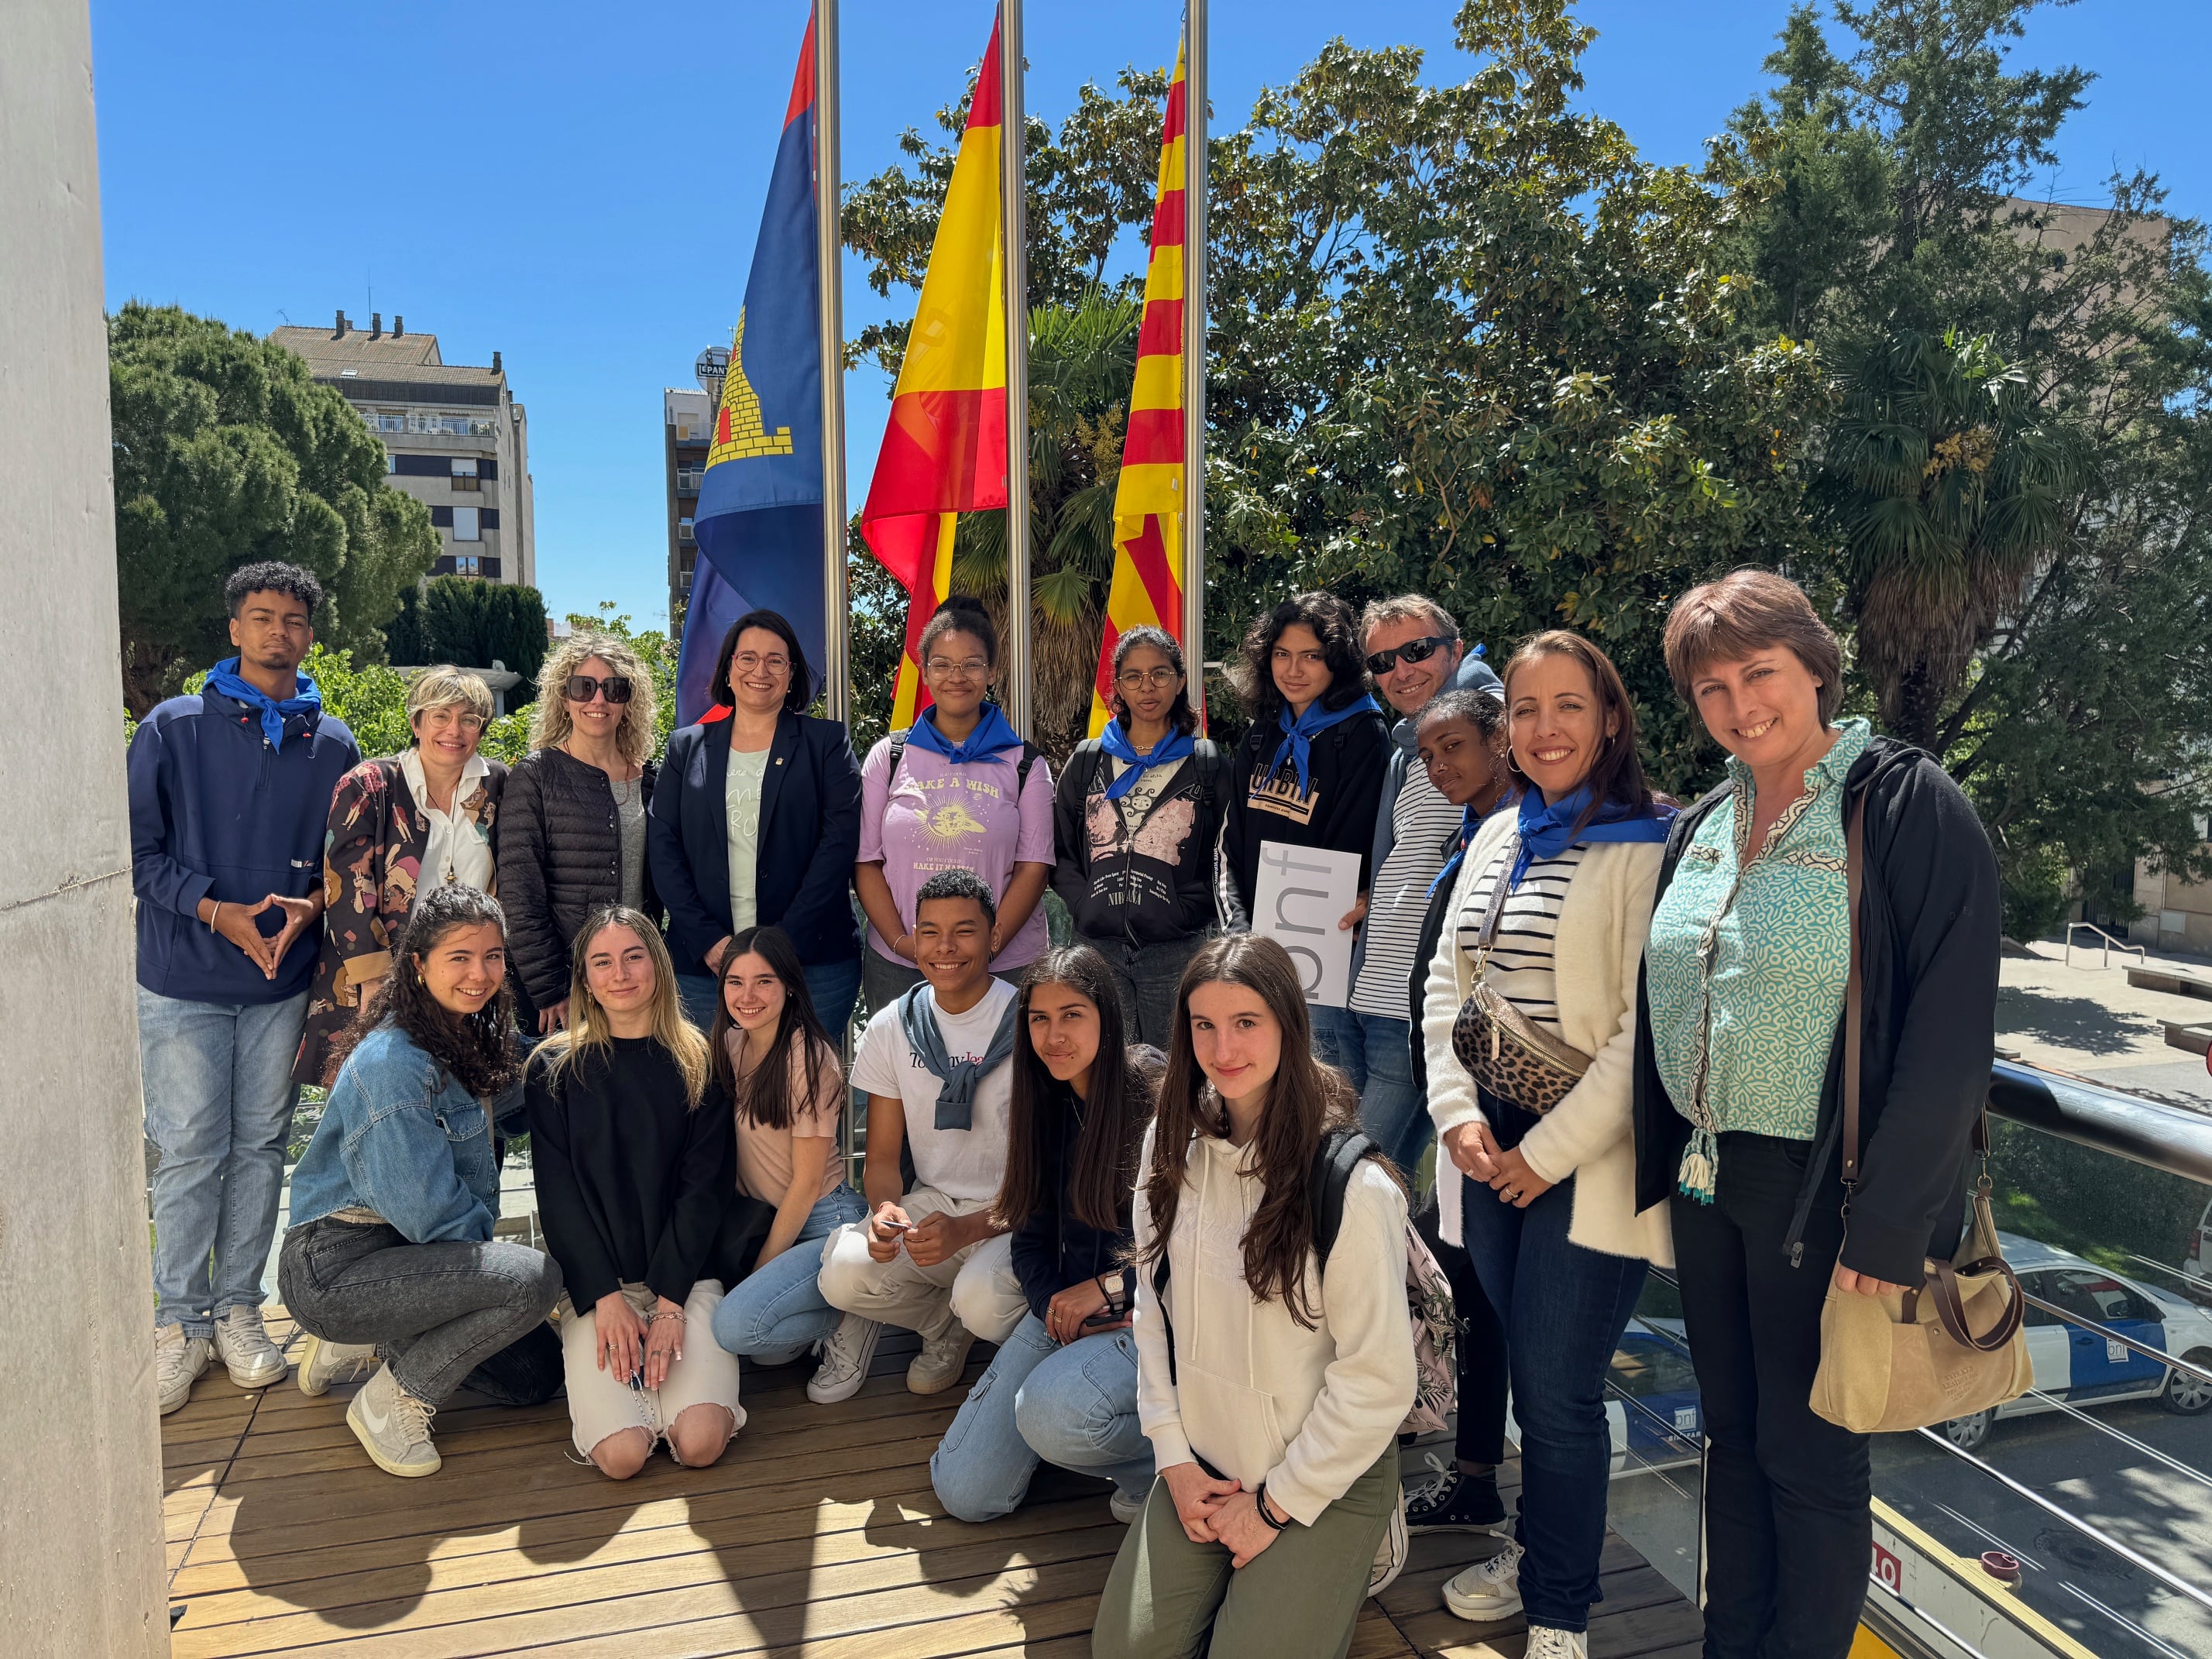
[755, 822]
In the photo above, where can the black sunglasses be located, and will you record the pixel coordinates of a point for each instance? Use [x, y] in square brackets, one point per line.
[1413, 651]
[581, 688]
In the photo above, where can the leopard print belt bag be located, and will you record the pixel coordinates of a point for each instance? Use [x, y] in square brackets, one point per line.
[1509, 1055]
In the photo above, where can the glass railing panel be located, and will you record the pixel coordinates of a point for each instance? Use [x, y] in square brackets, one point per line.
[1657, 1430]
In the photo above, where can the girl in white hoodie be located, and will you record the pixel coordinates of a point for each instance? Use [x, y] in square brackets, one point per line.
[1271, 1389]
[1545, 1204]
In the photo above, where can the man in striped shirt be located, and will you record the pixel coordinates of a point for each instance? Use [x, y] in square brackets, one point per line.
[1413, 652]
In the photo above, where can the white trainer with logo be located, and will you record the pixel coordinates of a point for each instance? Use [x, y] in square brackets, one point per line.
[179, 1361]
[324, 1364]
[1488, 1590]
[940, 1362]
[244, 1349]
[845, 1360]
[1545, 1642]
[393, 1426]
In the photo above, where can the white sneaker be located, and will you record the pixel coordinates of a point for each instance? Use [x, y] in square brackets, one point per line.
[393, 1426]
[1126, 1508]
[845, 1360]
[179, 1362]
[1390, 1554]
[245, 1347]
[940, 1362]
[1545, 1642]
[322, 1363]
[1490, 1590]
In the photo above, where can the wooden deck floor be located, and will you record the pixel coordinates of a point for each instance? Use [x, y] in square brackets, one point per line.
[817, 1535]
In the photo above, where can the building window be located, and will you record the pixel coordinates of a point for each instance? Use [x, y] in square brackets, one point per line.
[683, 531]
[391, 463]
[465, 473]
[466, 524]
[467, 564]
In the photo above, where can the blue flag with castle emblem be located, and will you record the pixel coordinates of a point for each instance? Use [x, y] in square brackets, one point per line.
[759, 522]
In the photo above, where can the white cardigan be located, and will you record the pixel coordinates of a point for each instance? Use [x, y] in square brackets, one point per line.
[1256, 1393]
[1603, 922]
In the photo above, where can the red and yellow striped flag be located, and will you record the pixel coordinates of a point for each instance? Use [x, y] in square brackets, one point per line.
[944, 451]
[1148, 503]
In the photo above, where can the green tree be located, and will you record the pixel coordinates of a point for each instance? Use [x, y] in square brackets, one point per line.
[474, 623]
[226, 452]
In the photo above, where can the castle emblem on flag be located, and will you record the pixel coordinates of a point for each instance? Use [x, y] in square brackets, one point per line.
[739, 433]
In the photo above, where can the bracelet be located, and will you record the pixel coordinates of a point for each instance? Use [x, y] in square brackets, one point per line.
[213, 913]
[664, 1313]
[1259, 1502]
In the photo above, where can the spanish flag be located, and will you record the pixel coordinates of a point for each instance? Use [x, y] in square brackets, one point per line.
[1148, 502]
[944, 450]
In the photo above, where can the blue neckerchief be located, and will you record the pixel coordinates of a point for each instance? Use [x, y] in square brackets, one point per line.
[1548, 831]
[1299, 734]
[223, 678]
[992, 735]
[1115, 740]
[956, 1079]
[1470, 820]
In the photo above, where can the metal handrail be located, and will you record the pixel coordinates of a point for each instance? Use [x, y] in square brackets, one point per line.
[2106, 944]
[2172, 1362]
[2106, 1120]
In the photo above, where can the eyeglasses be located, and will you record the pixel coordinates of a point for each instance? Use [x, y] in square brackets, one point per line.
[467, 722]
[1136, 679]
[968, 668]
[1413, 651]
[751, 662]
[582, 688]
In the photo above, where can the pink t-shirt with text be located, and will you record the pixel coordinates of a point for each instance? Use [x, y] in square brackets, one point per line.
[939, 816]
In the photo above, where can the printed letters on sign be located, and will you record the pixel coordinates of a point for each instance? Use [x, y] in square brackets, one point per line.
[1301, 894]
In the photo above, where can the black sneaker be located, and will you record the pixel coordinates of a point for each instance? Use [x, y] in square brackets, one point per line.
[1448, 1500]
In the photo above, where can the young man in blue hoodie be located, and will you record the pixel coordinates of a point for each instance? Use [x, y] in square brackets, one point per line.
[1413, 652]
[230, 797]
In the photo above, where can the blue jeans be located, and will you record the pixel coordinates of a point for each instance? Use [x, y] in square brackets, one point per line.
[219, 1100]
[777, 1308]
[1074, 1407]
[1564, 1309]
[1373, 1051]
[834, 987]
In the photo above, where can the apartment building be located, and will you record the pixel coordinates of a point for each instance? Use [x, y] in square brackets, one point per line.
[688, 422]
[455, 438]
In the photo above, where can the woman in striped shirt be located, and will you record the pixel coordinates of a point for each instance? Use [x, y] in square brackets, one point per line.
[1545, 1204]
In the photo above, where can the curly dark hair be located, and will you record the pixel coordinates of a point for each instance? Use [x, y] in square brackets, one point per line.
[1181, 715]
[961, 613]
[271, 576]
[479, 1051]
[1334, 624]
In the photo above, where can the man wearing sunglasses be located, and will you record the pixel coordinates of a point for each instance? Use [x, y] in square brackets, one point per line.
[1413, 652]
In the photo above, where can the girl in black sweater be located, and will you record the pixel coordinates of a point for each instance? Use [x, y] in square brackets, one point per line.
[1063, 1388]
[634, 1184]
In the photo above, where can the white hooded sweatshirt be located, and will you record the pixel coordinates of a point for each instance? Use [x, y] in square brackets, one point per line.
[1256, 1395]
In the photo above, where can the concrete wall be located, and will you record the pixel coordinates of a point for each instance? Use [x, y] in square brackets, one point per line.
[81, 1562]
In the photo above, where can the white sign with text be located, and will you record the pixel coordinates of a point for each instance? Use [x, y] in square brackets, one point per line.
[1301, 894]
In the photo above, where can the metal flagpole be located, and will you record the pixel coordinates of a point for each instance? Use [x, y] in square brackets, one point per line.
[1193, 345]
[828, 263]
[1013, 202]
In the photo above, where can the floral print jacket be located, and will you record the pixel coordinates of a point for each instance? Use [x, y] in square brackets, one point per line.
[371, 856]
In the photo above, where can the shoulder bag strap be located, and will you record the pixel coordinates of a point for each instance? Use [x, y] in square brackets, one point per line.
[1854, 995]
[1487, 934]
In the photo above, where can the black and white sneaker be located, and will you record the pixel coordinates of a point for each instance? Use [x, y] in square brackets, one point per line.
[1447, 1499]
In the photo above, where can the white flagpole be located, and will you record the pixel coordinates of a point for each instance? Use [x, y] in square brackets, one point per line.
[829, 261]
[1193, 345]
[1013, 199]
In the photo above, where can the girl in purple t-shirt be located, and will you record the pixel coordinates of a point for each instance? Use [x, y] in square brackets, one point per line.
[951, 804]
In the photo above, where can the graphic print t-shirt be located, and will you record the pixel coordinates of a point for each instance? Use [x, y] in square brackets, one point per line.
[959, 1163]
[937, 816]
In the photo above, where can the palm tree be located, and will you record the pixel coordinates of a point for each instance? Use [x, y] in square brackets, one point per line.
[1951, 489]
[1082, 359]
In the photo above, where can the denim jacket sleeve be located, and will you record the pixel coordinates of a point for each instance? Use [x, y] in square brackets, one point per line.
[401, 1156]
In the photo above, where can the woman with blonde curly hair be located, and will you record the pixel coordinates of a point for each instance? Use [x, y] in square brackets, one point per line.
[573, 833]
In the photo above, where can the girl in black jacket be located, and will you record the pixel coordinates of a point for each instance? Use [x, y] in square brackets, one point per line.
[573, 820]
[1134, 819]
[1063, 1388]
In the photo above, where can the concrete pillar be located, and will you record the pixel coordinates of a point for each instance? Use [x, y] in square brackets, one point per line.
[81, 1558]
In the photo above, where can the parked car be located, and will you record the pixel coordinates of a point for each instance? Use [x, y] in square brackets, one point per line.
[2085, 1367]
[2198, 1265]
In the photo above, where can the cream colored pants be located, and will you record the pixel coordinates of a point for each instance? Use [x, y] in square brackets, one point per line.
[600, 1403]
[974, 1287]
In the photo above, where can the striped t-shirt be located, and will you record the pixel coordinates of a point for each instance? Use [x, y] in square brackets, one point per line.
[1521, 956]
[1423, 828]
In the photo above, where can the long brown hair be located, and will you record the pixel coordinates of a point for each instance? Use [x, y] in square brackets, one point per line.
[478, 1051]
[1305, 1100]
[764, 1097]
[1616, 776]
[1102, 1171]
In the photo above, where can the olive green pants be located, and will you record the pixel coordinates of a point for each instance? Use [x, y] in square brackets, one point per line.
[1168, 1598]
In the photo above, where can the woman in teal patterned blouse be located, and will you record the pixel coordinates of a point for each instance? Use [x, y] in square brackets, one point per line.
[1738, 1102]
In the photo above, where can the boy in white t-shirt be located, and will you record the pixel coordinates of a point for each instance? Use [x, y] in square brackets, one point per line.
[933, 1066]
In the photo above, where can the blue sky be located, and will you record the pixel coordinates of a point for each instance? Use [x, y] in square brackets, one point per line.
[581, 193]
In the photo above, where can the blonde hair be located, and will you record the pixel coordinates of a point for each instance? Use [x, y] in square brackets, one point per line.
[550, 727]
[587, 1021]
[448, 687]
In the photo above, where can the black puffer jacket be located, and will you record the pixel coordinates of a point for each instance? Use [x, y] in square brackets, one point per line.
[560, 856]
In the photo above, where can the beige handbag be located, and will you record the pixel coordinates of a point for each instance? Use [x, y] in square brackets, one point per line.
[1953, 1348]
[1510, 1056]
